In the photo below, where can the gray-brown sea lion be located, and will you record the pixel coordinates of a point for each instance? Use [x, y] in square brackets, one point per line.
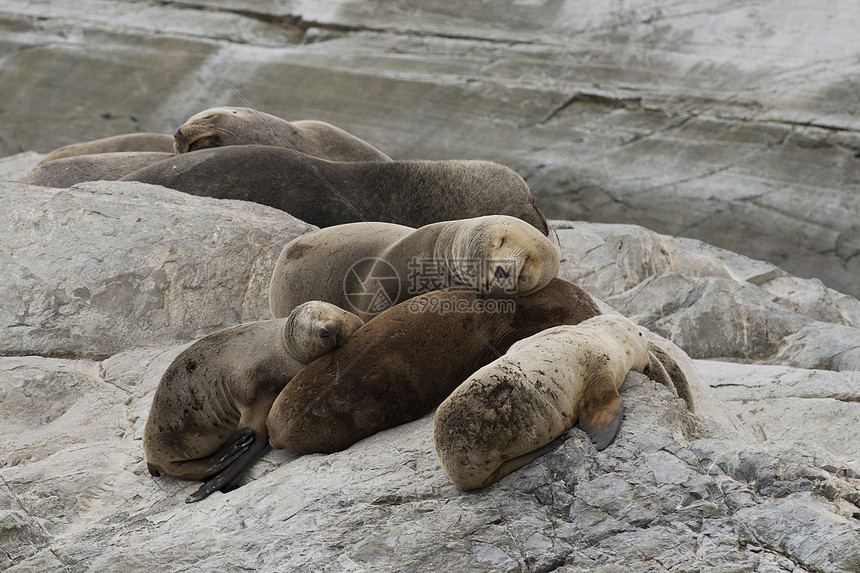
[326, 193]
[208, 414]
[404, 362]
[67, 171]
[502, 415]
[368, 267]
[117, 143]
[221, 126]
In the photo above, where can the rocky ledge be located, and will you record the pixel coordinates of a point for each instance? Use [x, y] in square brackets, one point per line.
[106, 282]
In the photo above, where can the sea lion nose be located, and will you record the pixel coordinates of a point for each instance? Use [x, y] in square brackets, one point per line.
[178, 134]
[501, 273]
[323, 333]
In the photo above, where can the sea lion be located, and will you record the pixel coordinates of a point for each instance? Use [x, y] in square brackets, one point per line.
[404, 362]
[368, 267]
[125, 142]
[221, 126]
[502, 415]
[208, 414]
[326, 193]
[67, 171]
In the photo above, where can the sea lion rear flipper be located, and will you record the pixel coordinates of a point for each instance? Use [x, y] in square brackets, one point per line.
[234, 447]
[228, 476]
[656, 371]
[603, 437]
[674, 372]
[516, 463]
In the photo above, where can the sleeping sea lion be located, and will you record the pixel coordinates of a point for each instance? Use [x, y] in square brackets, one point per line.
[67, 171]
[326, 193]
[208, 414]
[116, 143]
[404, 362]
[369, 267]
[502, 415]
[221, 126]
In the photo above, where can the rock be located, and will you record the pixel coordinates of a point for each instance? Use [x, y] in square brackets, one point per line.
[781, 403]
[733, 124]
[101, 268]
[14, 166]
[711, 302]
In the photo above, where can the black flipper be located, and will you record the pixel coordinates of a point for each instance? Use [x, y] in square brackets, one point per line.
[602, 438]
[230, 474]
[234, 447]
[516, 463]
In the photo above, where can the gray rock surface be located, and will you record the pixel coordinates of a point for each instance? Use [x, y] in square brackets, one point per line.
[758, 479]
[734, 123]
[711, 302]
[101, 268]
[792, 404]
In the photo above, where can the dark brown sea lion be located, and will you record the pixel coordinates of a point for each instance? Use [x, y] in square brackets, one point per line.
[222, 126]
[404, 362]
[208, 414]
[326, 193]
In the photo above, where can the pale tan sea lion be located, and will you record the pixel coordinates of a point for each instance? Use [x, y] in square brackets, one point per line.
[502, 415]
[326, 193]
[126, 142]
[222, 126]
[67, 171]
[368, 267]
[404, 362]
[208, 414]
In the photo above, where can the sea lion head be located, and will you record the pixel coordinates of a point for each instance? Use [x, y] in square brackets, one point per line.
[220, 126]
[498, 255]
[315, 327]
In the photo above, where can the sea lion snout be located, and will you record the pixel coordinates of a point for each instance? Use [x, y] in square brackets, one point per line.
[327, 333]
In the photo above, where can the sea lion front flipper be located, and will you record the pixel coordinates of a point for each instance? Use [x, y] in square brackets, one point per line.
[602, 437]
[226, 478]
[516, 463]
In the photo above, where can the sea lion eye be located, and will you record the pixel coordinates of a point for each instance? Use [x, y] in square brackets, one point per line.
[202, 143]
[504, 240]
